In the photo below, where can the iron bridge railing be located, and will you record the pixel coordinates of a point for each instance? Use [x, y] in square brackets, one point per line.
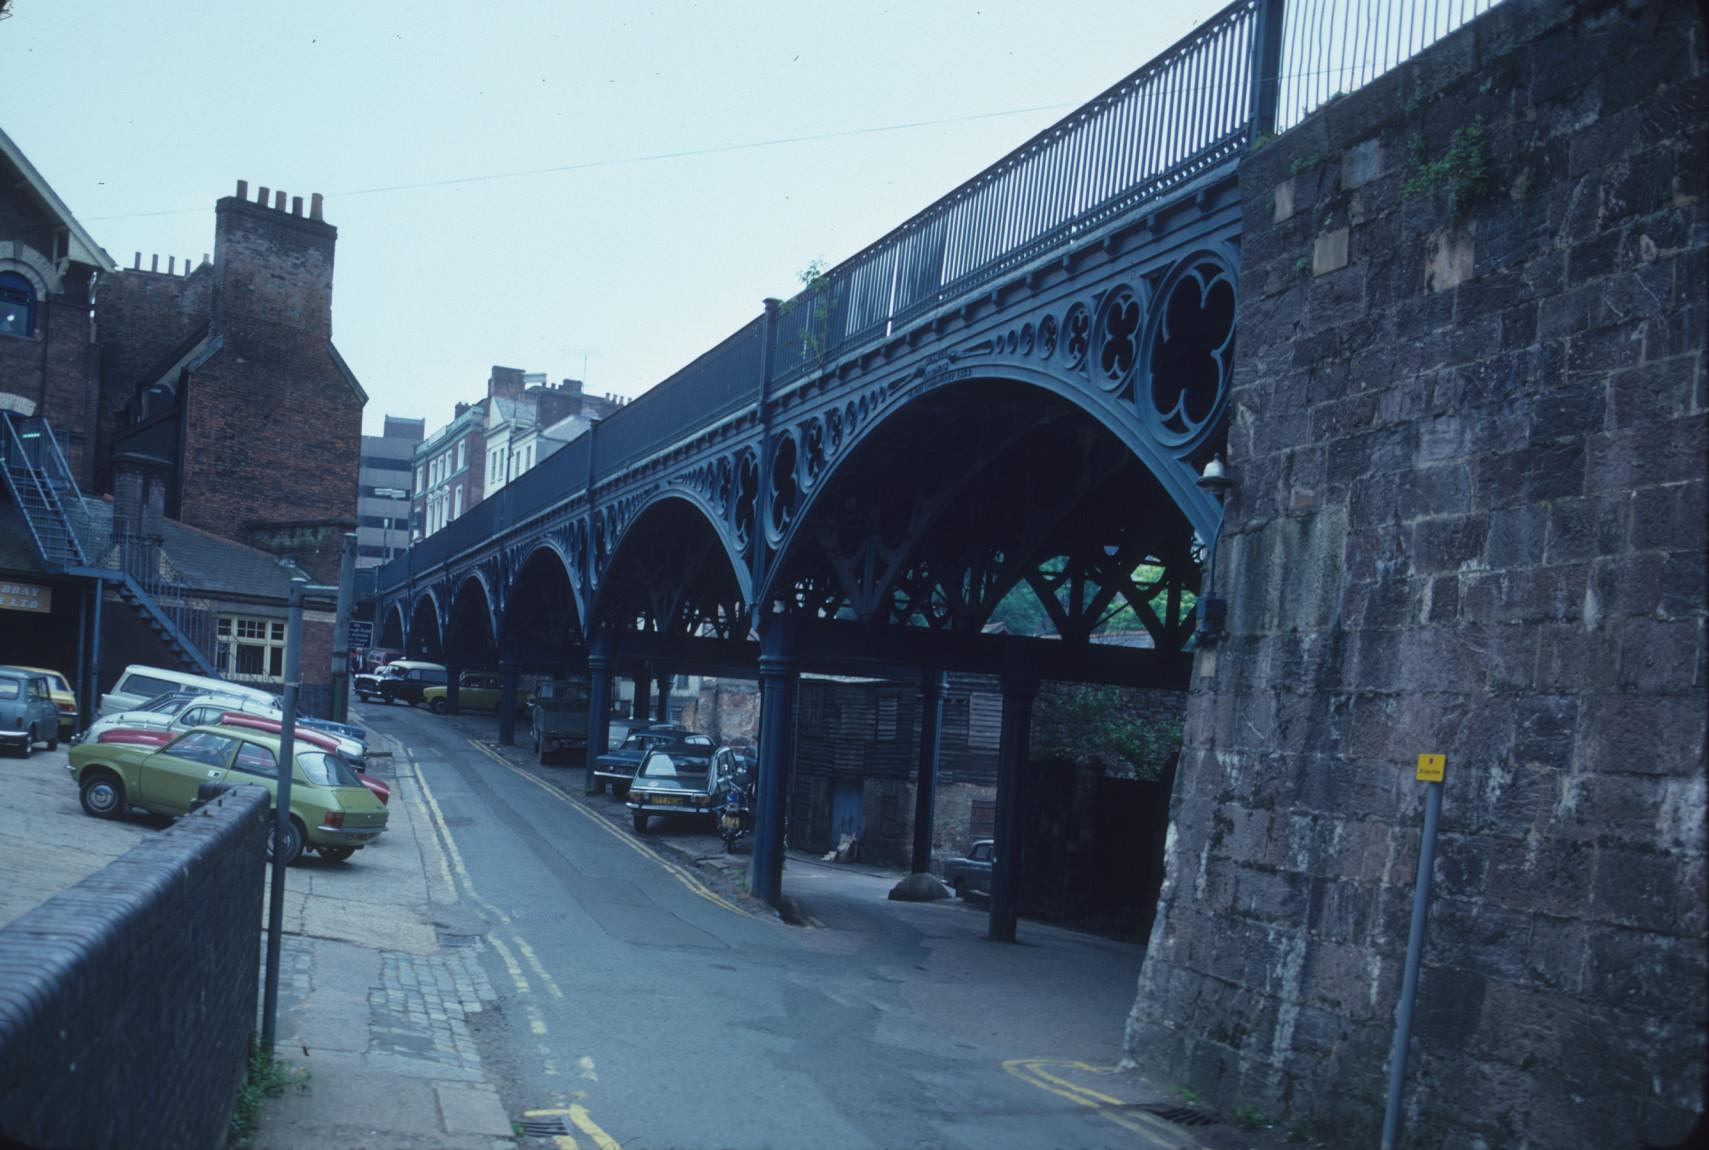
[1256, 68]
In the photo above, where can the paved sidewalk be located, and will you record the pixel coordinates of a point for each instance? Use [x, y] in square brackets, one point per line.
[381, 995]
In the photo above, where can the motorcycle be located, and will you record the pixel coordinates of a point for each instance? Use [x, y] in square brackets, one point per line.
[736, 818]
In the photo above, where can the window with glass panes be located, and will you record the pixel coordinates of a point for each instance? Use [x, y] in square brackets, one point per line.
[251, 648]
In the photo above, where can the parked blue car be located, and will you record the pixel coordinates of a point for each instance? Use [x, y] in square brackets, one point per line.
[28, 714]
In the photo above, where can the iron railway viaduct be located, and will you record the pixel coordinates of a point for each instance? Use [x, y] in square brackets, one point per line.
[1463, 428]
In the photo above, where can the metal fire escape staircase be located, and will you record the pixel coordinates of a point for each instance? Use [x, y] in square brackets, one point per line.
[60, 524]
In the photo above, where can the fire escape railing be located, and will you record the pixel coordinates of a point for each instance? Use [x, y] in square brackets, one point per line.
[69, 541]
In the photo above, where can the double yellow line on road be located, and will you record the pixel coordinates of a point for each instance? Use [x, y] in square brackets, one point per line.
[451, 860]
[1048, 1074]
[688, 880]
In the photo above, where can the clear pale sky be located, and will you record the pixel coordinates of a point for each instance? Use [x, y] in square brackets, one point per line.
[417, 119]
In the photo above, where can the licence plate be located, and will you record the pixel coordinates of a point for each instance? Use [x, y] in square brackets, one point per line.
[665, 800]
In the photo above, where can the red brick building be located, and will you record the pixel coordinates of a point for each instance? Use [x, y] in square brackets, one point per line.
[207, 397]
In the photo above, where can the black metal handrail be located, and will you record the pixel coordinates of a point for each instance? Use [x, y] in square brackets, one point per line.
[1189, 108]
[1333, 47]
[1255, 68]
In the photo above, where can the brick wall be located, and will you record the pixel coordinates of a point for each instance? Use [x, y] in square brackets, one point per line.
[273, 431]
[1469, 451]
[55, 369]
[127, 1002]
[141, 316]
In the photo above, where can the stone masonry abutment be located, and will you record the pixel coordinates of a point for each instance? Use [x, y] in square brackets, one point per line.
[1467, 439]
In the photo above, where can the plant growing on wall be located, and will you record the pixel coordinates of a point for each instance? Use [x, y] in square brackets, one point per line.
[1463, 170]
[814, 300]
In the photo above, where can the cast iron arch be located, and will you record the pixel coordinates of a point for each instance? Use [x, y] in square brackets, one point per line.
[546, 554]
[645, 514]
[429, 599]
[638, 514]
[459, 599]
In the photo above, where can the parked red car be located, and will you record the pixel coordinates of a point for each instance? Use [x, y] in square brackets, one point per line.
[307, 735]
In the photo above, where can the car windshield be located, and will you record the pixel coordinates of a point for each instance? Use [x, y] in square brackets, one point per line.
[326, 770]
[636, 743]
[170, 701]
[678, 770]
[9, 689]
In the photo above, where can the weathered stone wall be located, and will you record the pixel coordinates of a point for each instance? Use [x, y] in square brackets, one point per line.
[127, 1002]
[1468, 442]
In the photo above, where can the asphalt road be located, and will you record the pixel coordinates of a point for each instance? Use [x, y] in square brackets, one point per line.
[644, 1002]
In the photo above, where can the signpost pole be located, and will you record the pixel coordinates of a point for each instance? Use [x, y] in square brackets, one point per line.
[282, 817]
[1430, 770]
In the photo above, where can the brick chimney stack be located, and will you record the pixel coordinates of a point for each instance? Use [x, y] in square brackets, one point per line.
[274, 267]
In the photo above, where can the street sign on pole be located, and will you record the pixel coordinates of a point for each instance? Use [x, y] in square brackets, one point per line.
[361, 634]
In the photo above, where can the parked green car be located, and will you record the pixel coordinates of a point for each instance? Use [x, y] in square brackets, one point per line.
[331, 811]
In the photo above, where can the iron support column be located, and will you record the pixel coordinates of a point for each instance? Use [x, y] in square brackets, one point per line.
[506, 702]
[932, 686]
[663, 707]
[778, 675]
[641, 706]
[1266, 68]
[341, 630]
[1012, 752]
[80, 685]
[95, 656]
[599, 664]
[453, 701]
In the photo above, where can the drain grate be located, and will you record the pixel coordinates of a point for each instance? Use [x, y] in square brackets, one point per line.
[1181, 1115]
[448, 939]
[543, 1127]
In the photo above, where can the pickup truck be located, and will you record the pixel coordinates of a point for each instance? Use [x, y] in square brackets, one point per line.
[559, 719]
[971, 874]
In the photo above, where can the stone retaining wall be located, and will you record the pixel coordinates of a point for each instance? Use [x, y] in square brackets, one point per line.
[1468, 440]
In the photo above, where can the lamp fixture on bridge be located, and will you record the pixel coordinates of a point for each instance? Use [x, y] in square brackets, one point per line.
[1214, 479]
[1213, 610]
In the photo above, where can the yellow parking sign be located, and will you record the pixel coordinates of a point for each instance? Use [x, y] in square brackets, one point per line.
[1430, 768]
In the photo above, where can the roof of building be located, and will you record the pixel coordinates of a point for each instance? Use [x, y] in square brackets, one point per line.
[83, 247]
[200, 560]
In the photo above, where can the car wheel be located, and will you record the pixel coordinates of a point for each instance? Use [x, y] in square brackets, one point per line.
[620, 791]
[293, 845]
[413, 702]
[103, 795]
[53, 740]
[960, 885]
[640, 822]
[362, 695]
[30, 743]
[438, 707]
[336, 854]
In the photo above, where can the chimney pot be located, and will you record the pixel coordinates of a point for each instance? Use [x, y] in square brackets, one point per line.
[262, 198]
[137, 266]
[296, 205]
[154, 263]
[243, 189]
[314, 206]
[279, 201]
[171, 265]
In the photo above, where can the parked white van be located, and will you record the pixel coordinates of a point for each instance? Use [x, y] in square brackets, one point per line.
[140, 683]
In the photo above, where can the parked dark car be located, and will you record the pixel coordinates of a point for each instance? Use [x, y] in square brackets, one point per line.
[408, 679]
[618, 767]
[675, 779]
[971, 874]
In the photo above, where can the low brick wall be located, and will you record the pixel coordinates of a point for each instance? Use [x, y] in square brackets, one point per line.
[127, 1002]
